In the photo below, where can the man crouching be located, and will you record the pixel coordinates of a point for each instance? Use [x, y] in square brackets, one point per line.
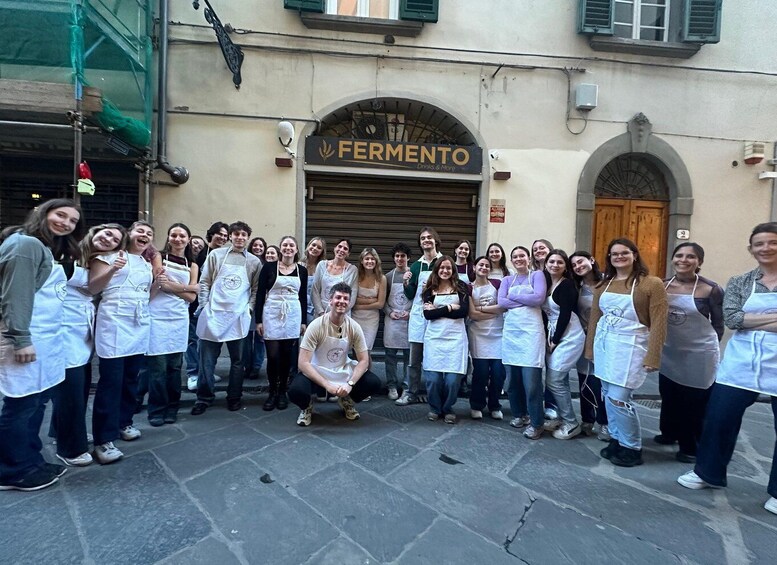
[324, 363]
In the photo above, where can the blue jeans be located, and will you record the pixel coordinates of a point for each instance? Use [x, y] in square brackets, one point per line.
[206, 384]
[164, 384]
[116, 396]
[525, 393]
[622, 421]
[20, 443]
[391, 367]
[442, 390]
[192, 349]
[557, 382]
[488, 378]
[725, 410]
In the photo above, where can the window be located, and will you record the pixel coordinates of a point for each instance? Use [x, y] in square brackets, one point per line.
[642, 19]
[386, 9]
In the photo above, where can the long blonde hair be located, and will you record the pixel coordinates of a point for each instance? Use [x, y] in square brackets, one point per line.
[322, 257]
[88, 252]
[360, 267]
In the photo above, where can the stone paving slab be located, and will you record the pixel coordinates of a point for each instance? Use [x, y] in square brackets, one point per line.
[341, 552]
[422, 433]
[493, 449]
[291, 460]
[352, 435]
[209, 551]
[379, 518]
[266, 523]
[384, 455]
[446, 542]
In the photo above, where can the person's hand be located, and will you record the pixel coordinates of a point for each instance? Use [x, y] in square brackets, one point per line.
[120, 261]
[429, 306]
[332, 389]
[343, 390]
[162, 280]
[552, 347]
[25, 354]
[260, 329]
[405, 315]
[650, 369]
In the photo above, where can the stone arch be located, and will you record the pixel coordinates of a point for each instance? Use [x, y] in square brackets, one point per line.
[638, 140]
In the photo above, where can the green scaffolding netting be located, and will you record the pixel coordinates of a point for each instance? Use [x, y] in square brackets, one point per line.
[105, 44]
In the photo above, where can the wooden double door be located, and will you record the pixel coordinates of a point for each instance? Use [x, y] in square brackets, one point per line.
[642, 221]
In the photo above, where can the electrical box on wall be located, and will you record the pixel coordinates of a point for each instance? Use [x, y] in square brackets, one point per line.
[586, 97]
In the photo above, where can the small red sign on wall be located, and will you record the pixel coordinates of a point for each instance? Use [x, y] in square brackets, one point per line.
[497, 212]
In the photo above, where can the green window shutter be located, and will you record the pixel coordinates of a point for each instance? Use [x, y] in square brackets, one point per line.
[594, 17]
[419, 10]
[701, 21]
[305, 5]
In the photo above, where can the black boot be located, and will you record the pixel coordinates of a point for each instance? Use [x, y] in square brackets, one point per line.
[281, 400]
[269, 404]
[626, 457]
[611, 449]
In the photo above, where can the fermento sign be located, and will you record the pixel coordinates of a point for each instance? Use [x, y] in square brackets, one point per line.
[344, 152]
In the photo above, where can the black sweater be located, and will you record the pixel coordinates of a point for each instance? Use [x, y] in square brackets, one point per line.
[442, 311]
[565, 295]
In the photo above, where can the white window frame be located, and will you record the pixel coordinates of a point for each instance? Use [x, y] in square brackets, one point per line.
[363, 8]
[636, 19]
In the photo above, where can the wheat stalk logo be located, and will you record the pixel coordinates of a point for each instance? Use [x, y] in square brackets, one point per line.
[326, 150]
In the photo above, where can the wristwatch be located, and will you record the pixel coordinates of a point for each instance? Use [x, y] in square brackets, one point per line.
[350, 383]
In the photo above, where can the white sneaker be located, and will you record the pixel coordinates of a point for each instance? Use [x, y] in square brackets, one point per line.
[771, 505]
[521, 422]
[604, 433]
[551, 414]
[349, 408]
[81, 461]
[567, 431]
[191, 383]
[497, 415]
[406, 399]
[693, 481]
[476, 414]
[392, 393]
[107, 453]
[129, 433]
[551, 425]
[306, 415]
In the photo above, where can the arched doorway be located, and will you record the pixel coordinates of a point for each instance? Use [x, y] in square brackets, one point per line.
[637, 185]
[632, 200]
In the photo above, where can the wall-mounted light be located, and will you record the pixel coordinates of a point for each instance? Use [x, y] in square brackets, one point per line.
[754, 152]
[286, 135]
[35, 196]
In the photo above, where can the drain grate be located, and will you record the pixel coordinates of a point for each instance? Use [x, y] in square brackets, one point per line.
[652, 404]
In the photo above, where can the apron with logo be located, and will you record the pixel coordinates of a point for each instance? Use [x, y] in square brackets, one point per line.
[417, 324]
[170, 315]
[584, 304]
[566, 354]
[282, 314]
[485, 336]
[123, 324]
[46, 332]
[395, 331]
[368, 319]
[327, 282]
[78, 319]
[750, 359]
[445, 341]
[331, 360]
[691, 352]
[226, 316]
[523, 335]
[621, 341]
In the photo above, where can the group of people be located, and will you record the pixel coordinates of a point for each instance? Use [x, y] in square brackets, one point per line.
[67, 292]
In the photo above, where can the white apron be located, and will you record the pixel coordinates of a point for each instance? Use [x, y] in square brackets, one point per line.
[445, 341]
[311, 312]
[621, 341]
[123, 324]
[750, 360]
[169, 315]
[691, 351]
[331, 360]
[48, 369]
[584, 304]
[463, 277]
[78, 319]
[226, 316]
[282, 314]
[327, 282]
[566, 354]
[523, 335]
[395, 331]
[416, 326]
[485, 336]
[368, 319]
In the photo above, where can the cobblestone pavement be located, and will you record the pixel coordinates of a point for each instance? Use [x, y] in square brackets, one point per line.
[392, 487]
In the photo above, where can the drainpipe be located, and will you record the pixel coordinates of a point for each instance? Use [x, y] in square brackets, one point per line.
[179, 175]
[773, 162]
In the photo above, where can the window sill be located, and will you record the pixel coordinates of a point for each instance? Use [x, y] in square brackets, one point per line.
[376, 26]
[644, 47]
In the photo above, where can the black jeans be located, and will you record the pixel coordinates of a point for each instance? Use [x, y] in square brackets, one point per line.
[68, 416]
[682, 412]
[592, 405]
[302, 388]
[209, 354]
[116, 396]
[164, 384]
[20, 443]
[487, 375]
[279, 362]
[725, 411]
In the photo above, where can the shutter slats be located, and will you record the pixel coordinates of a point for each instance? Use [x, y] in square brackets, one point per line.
[595, 17]
[305, 5]
[701, 21]
[419, 10]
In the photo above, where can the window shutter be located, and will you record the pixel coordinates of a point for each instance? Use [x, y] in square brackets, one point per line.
[305, 5]
[595, 17]
[419, 10]
[701, 21]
